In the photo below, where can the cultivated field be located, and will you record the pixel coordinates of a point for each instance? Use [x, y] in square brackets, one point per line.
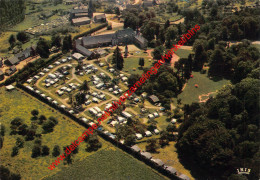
[110, 164]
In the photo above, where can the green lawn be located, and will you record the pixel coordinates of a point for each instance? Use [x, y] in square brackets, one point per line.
[162, 123]
[191, 93]
[20, 104]
[167, 16]
[133, 62]
[183, 53]
[108, 164]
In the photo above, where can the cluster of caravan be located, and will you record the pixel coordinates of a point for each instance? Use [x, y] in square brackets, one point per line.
[69, 88]
[159, 162]
[53, 78]
[88, 69]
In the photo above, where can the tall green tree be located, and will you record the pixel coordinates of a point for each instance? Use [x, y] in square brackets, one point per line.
[141, 62]
[12, 40]
[36, 151]
[84, 87]
[118, 59]
[200, 57]
[22, 37]
[43, 48]
[158, 52]
[45, 150]
[56, 40]
[56, 151]
[67, 44]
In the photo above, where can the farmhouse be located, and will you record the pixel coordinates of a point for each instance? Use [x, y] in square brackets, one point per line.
[81, 21]
[154, 99]
[28, 52]
[83, 50]
[100, 18]
[121, 37]
[97, 41]
[81, 12]
[12, 61]
[77, 56]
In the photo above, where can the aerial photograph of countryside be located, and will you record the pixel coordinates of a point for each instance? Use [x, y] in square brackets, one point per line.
[129, 89]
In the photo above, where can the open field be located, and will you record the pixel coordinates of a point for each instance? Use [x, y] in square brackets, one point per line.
[132, 63]
[19, 104]
[108, 164]
[183, 53]
[167, 16]
[205, 86]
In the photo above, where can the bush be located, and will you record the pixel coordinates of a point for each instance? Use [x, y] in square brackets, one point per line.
[36, 151]
[45, 150]
[56, 151]
[15, 151]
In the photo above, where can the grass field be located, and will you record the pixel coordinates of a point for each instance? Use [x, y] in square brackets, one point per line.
[19, 104]
[133, 62]
[108, 164]
[206, 85]
[171, 17]
[183, 53]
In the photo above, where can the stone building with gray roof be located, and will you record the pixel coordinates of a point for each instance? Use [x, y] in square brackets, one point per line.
[121, 37]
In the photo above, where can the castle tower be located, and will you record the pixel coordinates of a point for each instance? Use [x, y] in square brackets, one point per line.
[90, 9]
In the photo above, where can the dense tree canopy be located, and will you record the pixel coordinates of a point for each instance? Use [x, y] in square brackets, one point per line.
[222, 134]
[43, 48]
[11, 12]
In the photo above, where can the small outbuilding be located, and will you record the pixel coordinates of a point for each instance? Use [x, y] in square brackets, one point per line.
[154, 99]
[9, 87]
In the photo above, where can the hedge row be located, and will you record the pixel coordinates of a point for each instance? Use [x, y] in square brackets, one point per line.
[104, 136]
[91, 31]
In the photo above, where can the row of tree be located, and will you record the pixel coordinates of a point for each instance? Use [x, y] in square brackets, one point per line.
[43, 46]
